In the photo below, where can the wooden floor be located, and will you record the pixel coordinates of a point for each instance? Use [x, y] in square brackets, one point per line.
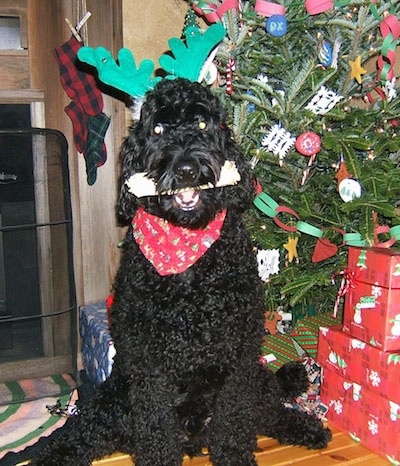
[342, 450]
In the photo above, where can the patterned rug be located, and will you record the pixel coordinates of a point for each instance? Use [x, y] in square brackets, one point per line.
[24, 412]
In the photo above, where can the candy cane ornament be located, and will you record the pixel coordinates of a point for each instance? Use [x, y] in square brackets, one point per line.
[308, 144]
[230, 68]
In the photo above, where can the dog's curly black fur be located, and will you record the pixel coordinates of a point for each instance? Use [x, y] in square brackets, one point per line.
[187, 373]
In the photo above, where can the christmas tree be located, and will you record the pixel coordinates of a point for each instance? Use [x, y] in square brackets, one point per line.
[313, 98]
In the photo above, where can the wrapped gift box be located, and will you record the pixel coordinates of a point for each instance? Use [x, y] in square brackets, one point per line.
[306, 330]
[278, 349]
[366, 416]
[281, 349]
[372, 302]
[97, 347]
[305, 334]
[366, 365]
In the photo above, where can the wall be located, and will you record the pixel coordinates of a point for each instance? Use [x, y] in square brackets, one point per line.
[96, 233]
[147, 26]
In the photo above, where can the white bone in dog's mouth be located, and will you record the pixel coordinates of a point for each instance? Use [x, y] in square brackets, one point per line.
[187, 200]
[141, 185]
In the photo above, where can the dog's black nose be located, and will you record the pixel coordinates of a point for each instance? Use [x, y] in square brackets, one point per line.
[186, 171]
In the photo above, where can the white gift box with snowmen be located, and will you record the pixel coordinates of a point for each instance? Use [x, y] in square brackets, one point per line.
[372, 300]
[372, 420]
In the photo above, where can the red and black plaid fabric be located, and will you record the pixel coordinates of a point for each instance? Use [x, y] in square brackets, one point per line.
[79, 86]
[79, 123]
[85, 110]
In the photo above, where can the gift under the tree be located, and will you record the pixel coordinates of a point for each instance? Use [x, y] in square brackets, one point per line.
[365, 364]
[279, 349]
[372, 420]
[372, 300]
[306, 330]
[97, 347]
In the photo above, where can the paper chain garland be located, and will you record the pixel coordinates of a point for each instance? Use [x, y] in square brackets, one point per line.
[389, 26]
[390, 30]
[269, 207]
[213, 12]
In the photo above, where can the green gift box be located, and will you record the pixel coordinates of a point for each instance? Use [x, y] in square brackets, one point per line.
[306, 330]
[278, 349]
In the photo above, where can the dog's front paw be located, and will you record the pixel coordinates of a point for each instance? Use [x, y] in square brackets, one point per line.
[319, 439]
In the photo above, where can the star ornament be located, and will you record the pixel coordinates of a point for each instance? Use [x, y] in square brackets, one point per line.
[356, 69]
[291, 248]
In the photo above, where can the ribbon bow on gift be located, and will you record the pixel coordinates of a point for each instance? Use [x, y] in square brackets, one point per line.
[348, 281]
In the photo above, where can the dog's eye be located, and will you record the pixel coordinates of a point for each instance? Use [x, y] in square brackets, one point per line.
[158, 129]
[202, 125]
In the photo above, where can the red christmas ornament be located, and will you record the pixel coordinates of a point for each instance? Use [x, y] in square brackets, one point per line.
[324, 249]
[308, 143]
[342, 173]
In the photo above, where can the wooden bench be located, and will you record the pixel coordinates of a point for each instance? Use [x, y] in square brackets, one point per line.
[342, 451]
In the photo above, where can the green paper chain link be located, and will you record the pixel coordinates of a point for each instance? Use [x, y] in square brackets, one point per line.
[271, 208]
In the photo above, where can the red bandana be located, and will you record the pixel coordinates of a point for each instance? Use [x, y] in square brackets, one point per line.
[172, 249]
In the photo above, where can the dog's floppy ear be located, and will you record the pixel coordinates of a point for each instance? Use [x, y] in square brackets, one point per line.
[131, 163]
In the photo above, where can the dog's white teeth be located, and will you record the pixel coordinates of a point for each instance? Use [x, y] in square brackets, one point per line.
[187, 200]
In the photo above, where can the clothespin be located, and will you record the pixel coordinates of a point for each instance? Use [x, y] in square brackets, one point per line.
[83, 20]
[75, 30]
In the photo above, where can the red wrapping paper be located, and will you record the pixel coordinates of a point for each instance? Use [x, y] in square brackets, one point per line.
[374, 369]
[366, 416]
[372, 301]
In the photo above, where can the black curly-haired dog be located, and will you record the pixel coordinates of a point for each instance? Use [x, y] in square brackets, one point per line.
[187, 328]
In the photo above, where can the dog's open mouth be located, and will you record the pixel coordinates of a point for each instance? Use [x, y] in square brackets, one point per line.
[141, 185]
[187, 200]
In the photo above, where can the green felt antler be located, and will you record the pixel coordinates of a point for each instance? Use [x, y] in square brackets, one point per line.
[189, 57]
[187, 61]
[123, 75]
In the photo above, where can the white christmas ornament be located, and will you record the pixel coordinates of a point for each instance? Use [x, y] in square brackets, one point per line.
[278, 141]
[390, 89]
[335, 53]
[268, 263]
[349, 189]
[274, 101]
[324, 101]
[262, 77]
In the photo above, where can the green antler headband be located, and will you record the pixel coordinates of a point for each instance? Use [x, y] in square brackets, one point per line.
[123, 75]
[187, 61]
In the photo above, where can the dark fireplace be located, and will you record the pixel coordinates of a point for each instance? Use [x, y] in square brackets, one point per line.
[37, 293]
